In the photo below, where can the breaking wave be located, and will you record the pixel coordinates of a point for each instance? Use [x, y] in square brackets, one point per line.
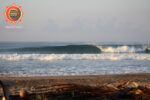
[124, 49]
[78, 49]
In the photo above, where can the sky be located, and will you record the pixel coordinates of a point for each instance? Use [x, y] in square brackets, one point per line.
[78, 20]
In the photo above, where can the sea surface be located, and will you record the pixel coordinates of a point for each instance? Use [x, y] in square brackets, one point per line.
[72, 58]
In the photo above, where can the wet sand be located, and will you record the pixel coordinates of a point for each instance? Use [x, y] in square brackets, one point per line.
[88, 87]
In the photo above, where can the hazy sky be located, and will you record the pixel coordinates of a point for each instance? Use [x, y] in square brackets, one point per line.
[79, 20]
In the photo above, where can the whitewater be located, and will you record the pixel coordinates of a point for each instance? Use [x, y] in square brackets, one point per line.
[54, 59]
[50, 57]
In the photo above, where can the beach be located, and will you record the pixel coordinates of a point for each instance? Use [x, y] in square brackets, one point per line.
[75, 71]
[88, 87]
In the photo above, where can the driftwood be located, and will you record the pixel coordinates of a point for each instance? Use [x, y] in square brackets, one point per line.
[71, 91]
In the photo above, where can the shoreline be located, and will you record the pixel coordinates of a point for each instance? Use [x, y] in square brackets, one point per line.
[106, 77]
[3, 76]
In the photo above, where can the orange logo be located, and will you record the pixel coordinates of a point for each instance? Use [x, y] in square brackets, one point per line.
[13, 13]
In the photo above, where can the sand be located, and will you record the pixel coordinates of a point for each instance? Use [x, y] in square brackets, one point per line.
[89, 87]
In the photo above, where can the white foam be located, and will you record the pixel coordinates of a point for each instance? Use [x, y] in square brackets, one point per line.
[49, 57]
[120, 49]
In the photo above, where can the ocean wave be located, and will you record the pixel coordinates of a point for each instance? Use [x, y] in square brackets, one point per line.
[79, 49]
[69, 49]
[50, 57]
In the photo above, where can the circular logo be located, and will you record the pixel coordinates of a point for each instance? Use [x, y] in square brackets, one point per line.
[13, 13]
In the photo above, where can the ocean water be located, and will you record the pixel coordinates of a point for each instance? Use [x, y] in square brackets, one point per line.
[70, 58]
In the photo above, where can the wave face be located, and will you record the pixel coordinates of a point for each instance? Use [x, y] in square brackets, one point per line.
[69, 49]
[78, 49]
